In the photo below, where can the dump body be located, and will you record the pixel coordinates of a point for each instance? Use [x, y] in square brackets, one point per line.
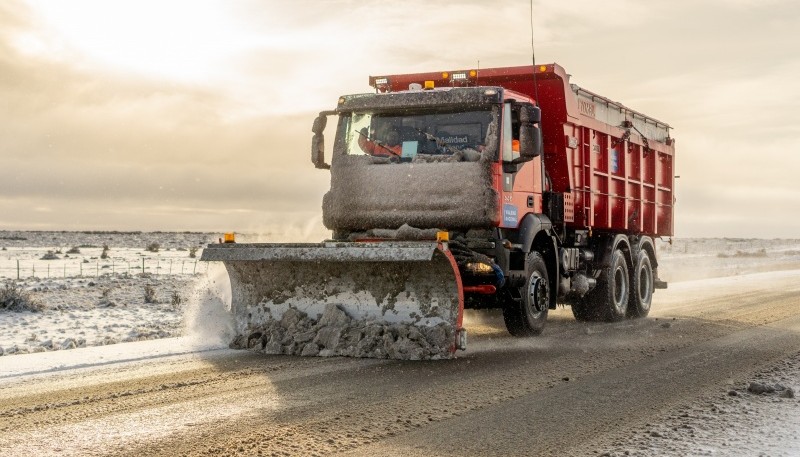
[613, 165]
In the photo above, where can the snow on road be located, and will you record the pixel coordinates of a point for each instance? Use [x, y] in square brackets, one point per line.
[754, 415]
[140, 351]
[735, 421]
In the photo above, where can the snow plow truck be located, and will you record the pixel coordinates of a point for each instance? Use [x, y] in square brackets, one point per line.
[500, 188]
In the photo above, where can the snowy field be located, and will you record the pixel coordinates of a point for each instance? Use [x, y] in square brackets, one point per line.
[97, 289]
[703, 258]
[134, 294]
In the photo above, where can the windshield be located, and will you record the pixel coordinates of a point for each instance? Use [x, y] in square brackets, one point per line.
[405, 137]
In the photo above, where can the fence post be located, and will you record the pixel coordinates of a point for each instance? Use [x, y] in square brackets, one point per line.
[183, 262]
[194, 270]
[48, 271]
[81, 265]
[33, 270]
[65, 268]
[97, 268]
[17, 269]
[142, 265]
[129, 268]
[113, 270]
[170, 267]
[158, 265]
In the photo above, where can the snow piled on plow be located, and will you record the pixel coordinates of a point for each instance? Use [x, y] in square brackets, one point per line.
[337, 334]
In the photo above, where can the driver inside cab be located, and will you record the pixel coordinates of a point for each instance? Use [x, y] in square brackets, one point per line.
[391, 146]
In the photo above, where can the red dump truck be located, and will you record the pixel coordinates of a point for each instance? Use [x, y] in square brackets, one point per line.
[500, 188]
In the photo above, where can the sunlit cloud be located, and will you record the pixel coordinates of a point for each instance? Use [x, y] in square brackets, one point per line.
[196, 115]
[188, 41]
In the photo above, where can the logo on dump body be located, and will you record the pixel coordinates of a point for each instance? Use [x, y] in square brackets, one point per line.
[586, 107]
[509, 215]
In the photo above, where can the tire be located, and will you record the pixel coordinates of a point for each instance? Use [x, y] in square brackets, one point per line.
[642, 287]
[527, 315]
[608, 301]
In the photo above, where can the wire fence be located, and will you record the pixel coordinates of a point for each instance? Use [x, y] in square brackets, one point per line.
[76, 268]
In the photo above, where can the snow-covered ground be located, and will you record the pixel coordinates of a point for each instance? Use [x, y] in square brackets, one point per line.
[103, 306]
[758, 416]
[701, 258]
[89, 300]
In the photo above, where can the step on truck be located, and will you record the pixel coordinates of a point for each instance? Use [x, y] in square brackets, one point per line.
[500, 188]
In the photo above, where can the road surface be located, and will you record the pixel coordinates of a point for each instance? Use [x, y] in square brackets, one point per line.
[579, 389]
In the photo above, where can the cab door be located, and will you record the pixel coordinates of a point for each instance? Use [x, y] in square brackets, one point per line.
[522, 182]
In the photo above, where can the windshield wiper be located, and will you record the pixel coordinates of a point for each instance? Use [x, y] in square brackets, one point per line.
[375, 141]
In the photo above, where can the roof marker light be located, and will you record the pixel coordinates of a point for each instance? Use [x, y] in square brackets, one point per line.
[473, 73]
[445, 75]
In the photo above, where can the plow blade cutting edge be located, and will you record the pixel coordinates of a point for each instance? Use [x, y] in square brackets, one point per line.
[399, 300]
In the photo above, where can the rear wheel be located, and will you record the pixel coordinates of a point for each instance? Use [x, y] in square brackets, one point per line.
[526, 315]
[608, 301]
[641, 287]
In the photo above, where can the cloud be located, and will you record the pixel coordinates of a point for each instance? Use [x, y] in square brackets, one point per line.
[112, 144]
[87, 143]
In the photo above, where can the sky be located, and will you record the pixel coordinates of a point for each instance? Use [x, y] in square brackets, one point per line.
[196, 115]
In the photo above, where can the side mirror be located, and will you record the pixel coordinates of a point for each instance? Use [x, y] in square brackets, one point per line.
[530, 135]
[530, 114]
[318, 151]
[530, 141]
[318, 141]
[319, 123]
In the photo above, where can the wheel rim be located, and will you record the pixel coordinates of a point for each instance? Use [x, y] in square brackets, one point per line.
[538, 297]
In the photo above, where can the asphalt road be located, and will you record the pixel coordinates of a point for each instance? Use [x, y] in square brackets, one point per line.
[575, 390]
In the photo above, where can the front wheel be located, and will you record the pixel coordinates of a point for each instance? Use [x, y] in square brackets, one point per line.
[526, 316]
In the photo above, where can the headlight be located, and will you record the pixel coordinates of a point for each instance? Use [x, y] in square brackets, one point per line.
[479, 268]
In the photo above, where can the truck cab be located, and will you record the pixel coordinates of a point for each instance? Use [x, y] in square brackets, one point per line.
[460, 158]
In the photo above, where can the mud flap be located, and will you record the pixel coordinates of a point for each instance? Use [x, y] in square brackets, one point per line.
[400, 300]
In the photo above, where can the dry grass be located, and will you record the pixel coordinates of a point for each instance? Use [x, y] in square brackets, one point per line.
[15, 298]
[740, 254]
[150, 294]
[176, 300]
[51, 255]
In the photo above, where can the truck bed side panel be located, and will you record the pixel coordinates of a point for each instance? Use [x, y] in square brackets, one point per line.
[617, 178]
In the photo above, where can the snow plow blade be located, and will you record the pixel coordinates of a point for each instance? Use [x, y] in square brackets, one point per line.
[398, 300]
